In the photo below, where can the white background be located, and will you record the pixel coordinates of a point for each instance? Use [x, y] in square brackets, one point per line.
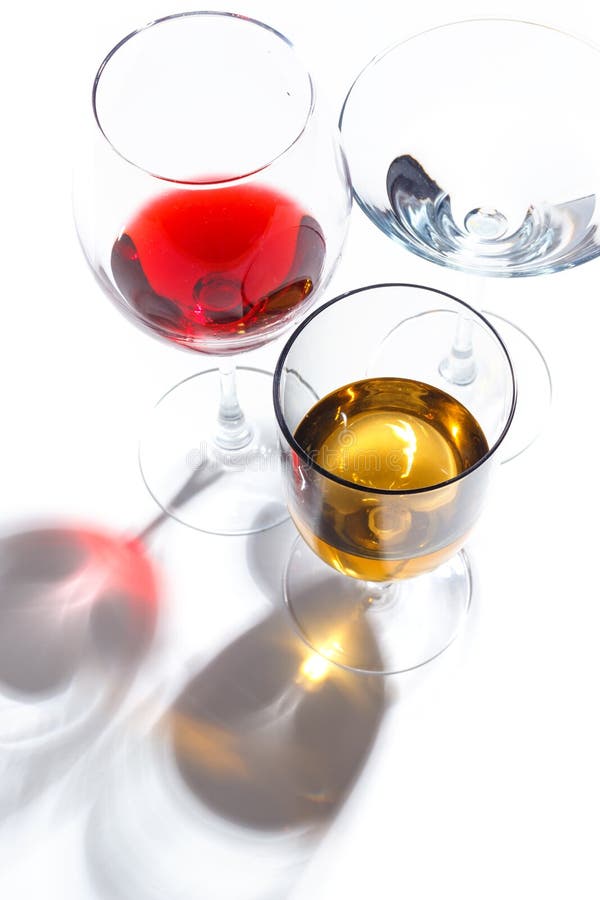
[485, 779]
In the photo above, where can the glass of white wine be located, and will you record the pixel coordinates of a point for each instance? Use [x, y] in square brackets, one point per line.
[386, 467]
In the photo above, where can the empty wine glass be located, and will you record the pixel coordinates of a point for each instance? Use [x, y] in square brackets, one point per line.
[387, 467]
[211, 204]
[475, 146]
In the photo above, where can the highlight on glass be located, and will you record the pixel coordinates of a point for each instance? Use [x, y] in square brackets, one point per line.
[387, 470]
[211, 203]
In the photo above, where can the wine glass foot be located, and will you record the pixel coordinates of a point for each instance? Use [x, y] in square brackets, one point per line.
[201, 484]
[534, 385]
[376, 629]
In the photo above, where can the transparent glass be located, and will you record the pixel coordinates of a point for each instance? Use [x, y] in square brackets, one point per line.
[392, 554]
[499, 172]
[211, 203]
[475, 146]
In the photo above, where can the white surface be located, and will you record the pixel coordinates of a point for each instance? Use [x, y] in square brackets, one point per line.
[484, 782]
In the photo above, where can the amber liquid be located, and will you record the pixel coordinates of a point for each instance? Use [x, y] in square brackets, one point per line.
[390, 434]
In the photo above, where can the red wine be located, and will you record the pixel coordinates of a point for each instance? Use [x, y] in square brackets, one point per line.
[218, 262]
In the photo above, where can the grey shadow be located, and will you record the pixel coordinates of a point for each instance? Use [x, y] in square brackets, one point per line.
[77, 614]
[265, 742]
[300, 737]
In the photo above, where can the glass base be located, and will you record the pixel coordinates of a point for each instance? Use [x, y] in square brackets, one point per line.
[196, 482]
[376, 628]
[534, 386]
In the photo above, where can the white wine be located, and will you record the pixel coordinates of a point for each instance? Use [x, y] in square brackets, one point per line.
[386, 435]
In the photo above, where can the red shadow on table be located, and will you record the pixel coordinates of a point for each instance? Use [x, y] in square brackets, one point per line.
[78, 610]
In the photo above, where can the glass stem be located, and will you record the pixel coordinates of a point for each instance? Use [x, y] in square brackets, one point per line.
[233, 432]
[459, 367]
[380, 594]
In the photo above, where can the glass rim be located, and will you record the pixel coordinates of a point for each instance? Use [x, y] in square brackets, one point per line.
[214, 14]
[301, 452]
[470, 20]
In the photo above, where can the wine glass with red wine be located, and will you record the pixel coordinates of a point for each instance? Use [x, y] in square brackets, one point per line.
[212, 206]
